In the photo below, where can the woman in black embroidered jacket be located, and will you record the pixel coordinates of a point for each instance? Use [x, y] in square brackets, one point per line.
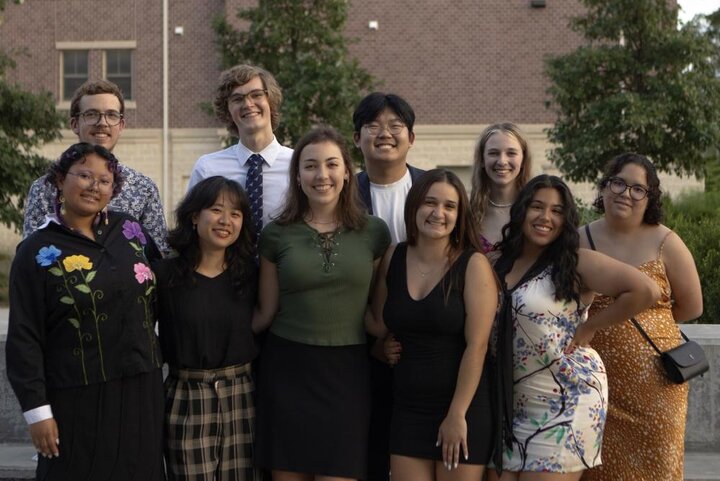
[82, 356]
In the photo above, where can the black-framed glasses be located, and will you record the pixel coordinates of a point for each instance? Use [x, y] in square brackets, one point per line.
[618, 186]
[254, 95]
[87, 181]
[374, 128]
[92, 117]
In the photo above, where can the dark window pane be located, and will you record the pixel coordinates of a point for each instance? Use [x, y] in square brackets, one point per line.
[118, 65]
[75, 71]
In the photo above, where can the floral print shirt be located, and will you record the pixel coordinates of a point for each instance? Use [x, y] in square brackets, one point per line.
[81, 310]
[139, 197]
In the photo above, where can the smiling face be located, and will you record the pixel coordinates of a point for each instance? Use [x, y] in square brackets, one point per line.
[100, 133]
[219, 225]
[623, 206]
[322, 174]
[502, 158]
[86, 187]
[437, 214]
[544, 218]
[384, 147]
[251, 113]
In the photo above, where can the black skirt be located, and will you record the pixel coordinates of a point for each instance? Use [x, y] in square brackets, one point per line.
[414, 431]
[313, 409]
[110, 431]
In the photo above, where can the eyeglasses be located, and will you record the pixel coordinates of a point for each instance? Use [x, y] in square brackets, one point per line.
[92, 117]
[254, 95]
[87, 181]
[374, 128]
[618, 186]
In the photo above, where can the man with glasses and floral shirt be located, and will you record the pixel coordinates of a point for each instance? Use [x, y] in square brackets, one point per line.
[384, 133]
[97, 113]
[248, 101]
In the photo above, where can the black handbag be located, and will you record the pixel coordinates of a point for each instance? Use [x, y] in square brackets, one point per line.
[683, 362]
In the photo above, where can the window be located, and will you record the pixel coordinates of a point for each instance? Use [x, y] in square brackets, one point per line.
[75, 71]
[118, 69]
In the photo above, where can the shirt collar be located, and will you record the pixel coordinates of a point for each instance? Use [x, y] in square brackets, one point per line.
[269, 153]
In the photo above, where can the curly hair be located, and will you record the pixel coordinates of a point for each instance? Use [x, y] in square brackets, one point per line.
[239, 256]
[58, 170]
[349, 208]
[480, 180]
[653, 212]
[240, 75]
[561, 254]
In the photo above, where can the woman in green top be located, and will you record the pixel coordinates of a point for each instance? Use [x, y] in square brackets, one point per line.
[317, 263]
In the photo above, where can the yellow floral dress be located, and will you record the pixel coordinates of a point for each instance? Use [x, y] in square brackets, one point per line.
[645, 427]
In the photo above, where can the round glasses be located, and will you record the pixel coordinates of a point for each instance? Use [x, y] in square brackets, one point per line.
[92, 117]
[618, 186]
[87, 181]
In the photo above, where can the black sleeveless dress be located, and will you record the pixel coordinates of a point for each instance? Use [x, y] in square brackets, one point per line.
[432, 335]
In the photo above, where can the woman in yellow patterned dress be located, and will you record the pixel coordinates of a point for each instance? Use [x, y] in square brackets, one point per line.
[645, 427]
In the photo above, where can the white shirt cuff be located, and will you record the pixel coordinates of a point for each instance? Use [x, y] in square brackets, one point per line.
[38, 414]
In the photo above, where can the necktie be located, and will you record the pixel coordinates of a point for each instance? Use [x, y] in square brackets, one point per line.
[254, 189]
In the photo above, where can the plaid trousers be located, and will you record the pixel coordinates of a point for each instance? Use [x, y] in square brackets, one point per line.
[209, 425]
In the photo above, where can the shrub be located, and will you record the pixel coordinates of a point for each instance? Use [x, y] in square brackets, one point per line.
[695, 218]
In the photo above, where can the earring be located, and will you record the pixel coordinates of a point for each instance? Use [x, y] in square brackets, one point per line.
[194, 226]
[61, 200]
[105, 211]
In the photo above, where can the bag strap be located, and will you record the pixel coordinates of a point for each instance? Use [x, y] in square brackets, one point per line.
[645, 335]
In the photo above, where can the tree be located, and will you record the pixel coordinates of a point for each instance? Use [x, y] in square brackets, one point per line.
[27, 120]
[638, 84]
[301, 42]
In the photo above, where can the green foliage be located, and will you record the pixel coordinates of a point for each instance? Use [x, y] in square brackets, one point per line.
[301, 42]
[639, 84]
[696, 219]
[26, 121]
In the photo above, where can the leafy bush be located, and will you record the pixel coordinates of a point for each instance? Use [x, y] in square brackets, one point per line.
[696, 219]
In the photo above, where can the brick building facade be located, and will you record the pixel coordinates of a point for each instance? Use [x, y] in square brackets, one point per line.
[462, 64]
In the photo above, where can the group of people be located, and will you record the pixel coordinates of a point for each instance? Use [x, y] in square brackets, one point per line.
[320, 324]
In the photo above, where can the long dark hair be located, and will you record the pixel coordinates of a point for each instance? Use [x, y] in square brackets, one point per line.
[653, 212]
[239, 256]
[562, 254]
[464, 236]
[349, 208]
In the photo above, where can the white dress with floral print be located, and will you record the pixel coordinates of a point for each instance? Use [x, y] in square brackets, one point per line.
[560, 399]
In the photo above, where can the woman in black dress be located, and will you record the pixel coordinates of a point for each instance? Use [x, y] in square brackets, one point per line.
[438, 295]
[206, 297]
[82, 356]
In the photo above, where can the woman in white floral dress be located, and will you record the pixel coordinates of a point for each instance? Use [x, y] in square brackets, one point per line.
[553, 411]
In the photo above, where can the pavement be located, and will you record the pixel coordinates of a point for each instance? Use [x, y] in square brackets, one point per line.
[16, 463]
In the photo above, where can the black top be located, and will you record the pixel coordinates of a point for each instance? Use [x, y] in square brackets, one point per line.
[81, 310]
[204, 323]
[431, 332]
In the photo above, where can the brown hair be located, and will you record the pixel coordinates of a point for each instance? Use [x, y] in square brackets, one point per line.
[349, 207]
[240, 75]
[480, 179]
[95, 87]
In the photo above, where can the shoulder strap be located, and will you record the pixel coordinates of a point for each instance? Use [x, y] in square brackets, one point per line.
[662, 244]
[590, 239]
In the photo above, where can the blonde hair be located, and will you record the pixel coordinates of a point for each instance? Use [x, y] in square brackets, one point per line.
[481, 181]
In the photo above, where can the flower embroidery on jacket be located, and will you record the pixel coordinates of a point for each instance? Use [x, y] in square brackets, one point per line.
[132, 230]
[143, 274]
[80, 281]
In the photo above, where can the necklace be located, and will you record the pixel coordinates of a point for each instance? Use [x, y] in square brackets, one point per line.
[499, 206]
[313, 221]
[432, 269]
